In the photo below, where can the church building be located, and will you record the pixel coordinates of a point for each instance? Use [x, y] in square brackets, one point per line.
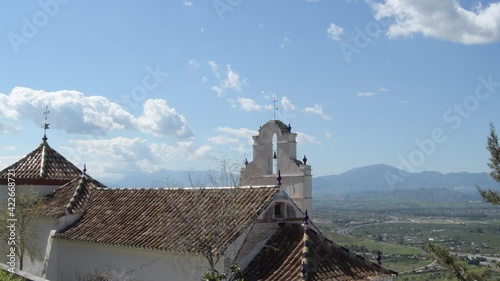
[262, 225]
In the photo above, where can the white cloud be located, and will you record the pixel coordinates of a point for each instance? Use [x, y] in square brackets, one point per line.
[194, 63]
[223, 140]
[404, 102]
[204, 152]
[334, 31]
[202, 29]
[187, 3]
[249, 104]
[371, 94]
[7, 128]
[204, 79]
[318, 109]
[74, 112]
[114, 158]
[305, 138]
[287, 104]
[240, 139]
[365, 94]
[214, 68]
[443, 19]
[240, 133]
[9, 148]
[160, 119]
[232, 80]
[285, 43]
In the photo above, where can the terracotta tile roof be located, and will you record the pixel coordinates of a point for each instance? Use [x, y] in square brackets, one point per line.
[281, 259]
[69, 198]
[43, 165]
[179, 220]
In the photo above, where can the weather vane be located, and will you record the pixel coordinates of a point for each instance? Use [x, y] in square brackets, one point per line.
[45, 124]
[275, 108]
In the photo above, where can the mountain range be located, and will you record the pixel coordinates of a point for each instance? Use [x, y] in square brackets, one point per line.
[385, 178]
[377, 178]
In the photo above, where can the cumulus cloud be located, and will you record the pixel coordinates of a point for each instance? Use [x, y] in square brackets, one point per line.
[249, 104]
[113, 158]
[7, 128]
[231, 80]
[223, 140]
[318, 109]
[334, 31]
[287, 104]
[239, 132]
[444, 19]
[187, 3]
[239, 139]
[74, 112]
[303, 138]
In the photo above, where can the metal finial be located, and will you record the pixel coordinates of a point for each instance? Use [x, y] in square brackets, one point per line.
[84, 169]
[45, 124]
[279, 178]
[275, 108]
[306, 218]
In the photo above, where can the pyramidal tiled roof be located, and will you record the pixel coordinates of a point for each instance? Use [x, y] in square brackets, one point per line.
[281, 259]
[70, 198]
[176, 220]
[44, 165]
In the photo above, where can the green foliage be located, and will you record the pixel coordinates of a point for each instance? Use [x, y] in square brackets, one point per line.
[7, 276]
[234, 275]
[457, 266]
[494, 149]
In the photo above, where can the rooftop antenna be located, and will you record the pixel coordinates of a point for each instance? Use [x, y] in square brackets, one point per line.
[275, 108]
[45, 124]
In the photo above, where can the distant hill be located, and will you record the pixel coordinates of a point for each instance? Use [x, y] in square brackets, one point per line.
[384, 178]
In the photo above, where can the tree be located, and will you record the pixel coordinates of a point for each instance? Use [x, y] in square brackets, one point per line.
[234, 275]
[24, 230]
[494, 164]
[459, 268]
[211, 229]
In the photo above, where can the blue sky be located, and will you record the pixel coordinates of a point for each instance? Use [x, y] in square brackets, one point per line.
[137, 87]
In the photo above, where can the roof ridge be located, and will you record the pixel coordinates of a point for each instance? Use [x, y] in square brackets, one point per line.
[43, 159]
[78, 195]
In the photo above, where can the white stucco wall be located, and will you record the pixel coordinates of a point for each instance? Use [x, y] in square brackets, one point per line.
[70, 259]
[43, 227]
